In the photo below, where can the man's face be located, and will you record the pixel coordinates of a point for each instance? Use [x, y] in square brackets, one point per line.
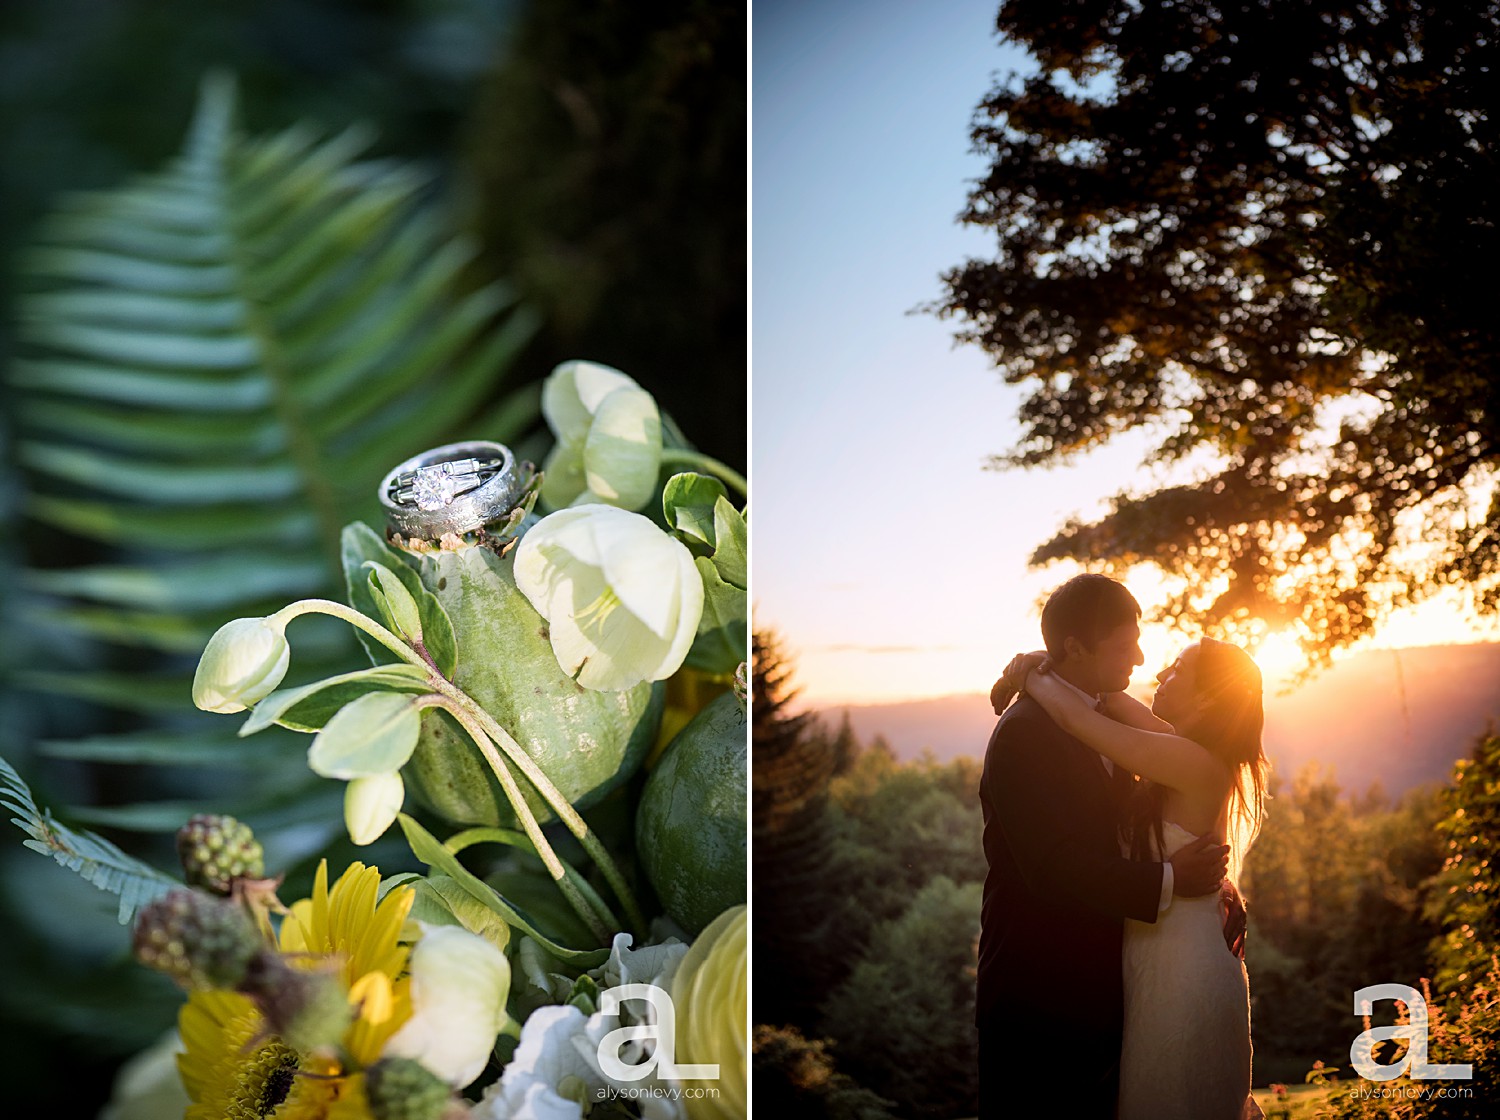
[1113, 657]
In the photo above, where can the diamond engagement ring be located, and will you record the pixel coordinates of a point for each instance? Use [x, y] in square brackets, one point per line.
[451, 489]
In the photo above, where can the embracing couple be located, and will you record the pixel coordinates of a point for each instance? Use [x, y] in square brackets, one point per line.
[1111, 966]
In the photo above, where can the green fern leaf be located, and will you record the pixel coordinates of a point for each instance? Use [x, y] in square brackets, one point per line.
[92, 856]
[217, 364]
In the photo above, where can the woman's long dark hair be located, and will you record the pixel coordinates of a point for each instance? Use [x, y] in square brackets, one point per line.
[1231, 729]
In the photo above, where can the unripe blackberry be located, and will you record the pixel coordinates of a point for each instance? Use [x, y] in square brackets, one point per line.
[216, 850]
[309, 1010]
[198, 940]
[404, 1089]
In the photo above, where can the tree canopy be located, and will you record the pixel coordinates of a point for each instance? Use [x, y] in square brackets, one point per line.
[1264, 232]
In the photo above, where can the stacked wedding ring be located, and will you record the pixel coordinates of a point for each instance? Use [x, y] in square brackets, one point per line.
[455, 488]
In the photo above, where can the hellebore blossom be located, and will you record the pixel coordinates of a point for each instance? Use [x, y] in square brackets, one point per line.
[241, 665]
[608, 434]
[459, 985]
[621, 598]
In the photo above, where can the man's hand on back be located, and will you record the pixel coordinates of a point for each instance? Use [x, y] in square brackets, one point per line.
[1235, 918]
[1198, 868]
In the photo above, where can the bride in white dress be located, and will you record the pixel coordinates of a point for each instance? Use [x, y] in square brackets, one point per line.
[1186, 1053]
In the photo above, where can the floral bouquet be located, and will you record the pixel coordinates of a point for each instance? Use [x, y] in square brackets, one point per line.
[522, 668]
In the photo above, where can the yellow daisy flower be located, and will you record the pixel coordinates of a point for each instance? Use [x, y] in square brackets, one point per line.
[234, 1070]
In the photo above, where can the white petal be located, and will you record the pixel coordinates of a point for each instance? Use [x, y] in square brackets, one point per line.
[554, 1048]
[562, 475]
[689, 615]
[570, 531]
[593, 382]
[622, 455]
[564, 411]
[641, 564]
[570, 599]
[459, 985]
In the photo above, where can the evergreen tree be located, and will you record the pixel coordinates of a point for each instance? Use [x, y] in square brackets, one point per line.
[791, 766]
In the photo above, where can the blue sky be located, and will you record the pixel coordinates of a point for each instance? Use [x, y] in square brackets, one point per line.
[890, 562]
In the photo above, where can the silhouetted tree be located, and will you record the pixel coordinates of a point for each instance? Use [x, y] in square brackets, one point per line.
[1266, 231]
[791, 765]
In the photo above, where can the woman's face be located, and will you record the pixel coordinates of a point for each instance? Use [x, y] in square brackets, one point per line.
[1176, 699]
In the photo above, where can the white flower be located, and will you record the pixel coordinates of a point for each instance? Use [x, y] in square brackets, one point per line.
[241, 665]
[554, 1072]
[708, 993]
[148, 1086]
[371, 805]
[651, 964]
[608, 434]
[621, 598]
[459, 985]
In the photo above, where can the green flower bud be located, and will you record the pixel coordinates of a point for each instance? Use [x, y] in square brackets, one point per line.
[621, 598]
[242, 664]
[608, 433]
[690, 823]
[198, 940]
[403, 1089]
[371, 805]
[217, 850]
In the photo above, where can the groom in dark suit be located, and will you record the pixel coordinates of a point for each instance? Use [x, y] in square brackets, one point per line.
[1049, 1007]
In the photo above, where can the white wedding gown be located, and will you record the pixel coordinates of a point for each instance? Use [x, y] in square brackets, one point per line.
[1186, 1053]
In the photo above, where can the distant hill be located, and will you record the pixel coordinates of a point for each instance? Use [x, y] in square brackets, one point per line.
[1397, 717]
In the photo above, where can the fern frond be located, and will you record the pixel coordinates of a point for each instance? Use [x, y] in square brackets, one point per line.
[217, 364]
[90, 855]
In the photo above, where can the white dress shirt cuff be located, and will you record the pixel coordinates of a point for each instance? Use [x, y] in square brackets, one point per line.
[1168, 881]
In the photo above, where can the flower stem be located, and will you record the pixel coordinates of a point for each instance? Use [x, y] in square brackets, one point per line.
[464, 709]
[681, 456]
[554, 797]
[554, 865]
[356, 619]
[459, 841]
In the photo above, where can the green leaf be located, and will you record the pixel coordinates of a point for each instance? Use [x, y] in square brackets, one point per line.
[361, 547]
[194, 584]
[93, 857]
[373, 735]
[513, 838]
[689, 500]
[168, 748]
[311, 706]
[732, 545]
[395, 602]
[427, 849]
[443, 901]
[698, 509]
[722, 643]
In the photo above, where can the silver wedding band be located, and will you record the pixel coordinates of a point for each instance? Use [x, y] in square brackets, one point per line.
[455, 488]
